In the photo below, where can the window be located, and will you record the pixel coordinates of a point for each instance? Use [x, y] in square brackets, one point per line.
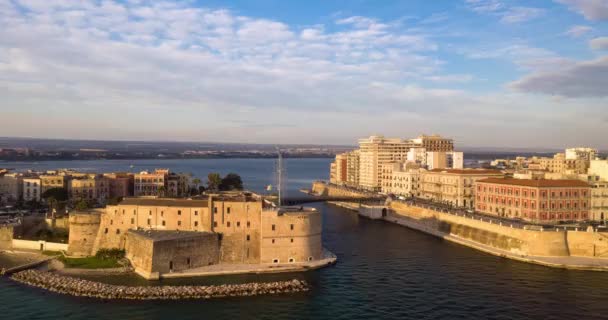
[163, 223]
[248, 237]
[150, 212]
[132, 221]
[215, 224]
[117, 231]
[291, 260]
[215, 210]
[273, 227]
[228, 210]
[179, 212]
[291, 240]
[248, 224]
[309, 258]
[272, 240]
[105, 231]
[275, 261]
[179, 223]
[291, 226]
[196, 213]
[196, 223]
[238, 223]
[228, 224]
[111, 222]
[162, 213]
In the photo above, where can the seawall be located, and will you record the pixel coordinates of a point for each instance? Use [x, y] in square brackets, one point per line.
[576, 249]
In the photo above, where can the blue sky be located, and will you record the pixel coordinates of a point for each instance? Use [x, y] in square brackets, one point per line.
[485, 72]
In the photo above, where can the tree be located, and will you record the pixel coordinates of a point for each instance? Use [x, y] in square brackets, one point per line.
[214, 180]
[82, 205]
[230, 182]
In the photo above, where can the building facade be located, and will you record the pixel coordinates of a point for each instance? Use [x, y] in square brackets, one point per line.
[31, 189]
[11, 187]
[150, 183]
[453, 186]
[543, 201]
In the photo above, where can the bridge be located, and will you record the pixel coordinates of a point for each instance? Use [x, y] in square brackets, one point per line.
[310, 199]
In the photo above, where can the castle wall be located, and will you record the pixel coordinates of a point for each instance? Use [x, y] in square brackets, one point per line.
[84, 229]
[239, 225]
[6, 237]
[322, 189]
[296, 236]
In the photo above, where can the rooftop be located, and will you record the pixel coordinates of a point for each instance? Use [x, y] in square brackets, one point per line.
[536, 182]
[162, 235]
[163, 202]
[467, 171]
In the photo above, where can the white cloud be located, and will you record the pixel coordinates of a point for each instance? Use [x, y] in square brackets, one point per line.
[599, 43]
[578, 31]
[507, 13]
[591, 9]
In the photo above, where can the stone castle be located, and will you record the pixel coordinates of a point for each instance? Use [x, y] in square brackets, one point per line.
[168, 235]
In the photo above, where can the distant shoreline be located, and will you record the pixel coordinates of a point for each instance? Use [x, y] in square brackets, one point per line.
[165, 158]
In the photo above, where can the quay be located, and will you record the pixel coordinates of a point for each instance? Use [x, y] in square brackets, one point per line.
[558, 247]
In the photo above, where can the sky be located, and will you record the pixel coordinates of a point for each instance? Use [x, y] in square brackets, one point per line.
[486, 73]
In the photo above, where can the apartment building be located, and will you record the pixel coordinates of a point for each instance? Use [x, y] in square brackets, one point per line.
[89, 187]
[31, 189]
[11, 187]
[150, 183]
[542, 200]
[453, 186]
[376, 151]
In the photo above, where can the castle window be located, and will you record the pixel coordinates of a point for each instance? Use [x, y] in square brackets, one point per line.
[105, 231]
[291, 240]
[228, 210]
[272, 240]
[238, 223]
[163, 223]
[117, 231]
[196, 223]
[248, 237]
[275, 261]
[291, 226]
[111, 222]
[291, 260]
[132, 221]
[215, 210]
[179, 223]
[162, 213]
[196, 213]
[273, 227]
[228, 224]
[149, 221]
[309, 258]
[248, 224]
[150, 212]
[179, 212]
[215, 224]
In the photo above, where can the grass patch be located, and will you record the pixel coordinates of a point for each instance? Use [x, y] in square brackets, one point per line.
[51, 253]
[90, 263]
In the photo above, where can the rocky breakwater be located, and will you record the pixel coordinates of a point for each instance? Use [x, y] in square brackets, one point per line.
[84, 288]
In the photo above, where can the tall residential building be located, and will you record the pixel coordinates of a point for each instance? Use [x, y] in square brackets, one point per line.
[434, 143]
[376, 151]
[599, 200]
[545, 201]
[31, 189]
[352, 168]
[453, 186]
[341, 168]
[559, 164]
[599, 168]
[406, 182]
[455, 160]
[178, 185]
[436, 160]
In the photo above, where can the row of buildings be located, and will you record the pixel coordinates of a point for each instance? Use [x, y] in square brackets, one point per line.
[570, 186]
[92, 187]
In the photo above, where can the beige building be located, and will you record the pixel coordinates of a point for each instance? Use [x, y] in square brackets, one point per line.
[586, 154]
[599, 168]
[599, 200]
[93, 188]
[559, 164]
[53, 181]
[406, 183]
[31, 189]
[226, 228]
[11, 187]
[453, 186]
[341, 168]
[178, 185]
[376, 151]
[352, 168]
[120, 184]
[150, 183]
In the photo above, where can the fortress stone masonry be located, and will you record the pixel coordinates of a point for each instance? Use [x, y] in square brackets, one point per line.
[162, 236]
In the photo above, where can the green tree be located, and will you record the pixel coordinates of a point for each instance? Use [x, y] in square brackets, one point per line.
[82, 205]
[161, 191]
[214, 180]
[230, 182]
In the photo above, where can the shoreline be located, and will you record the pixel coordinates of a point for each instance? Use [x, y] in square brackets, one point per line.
[67, 285]
[568, 262]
